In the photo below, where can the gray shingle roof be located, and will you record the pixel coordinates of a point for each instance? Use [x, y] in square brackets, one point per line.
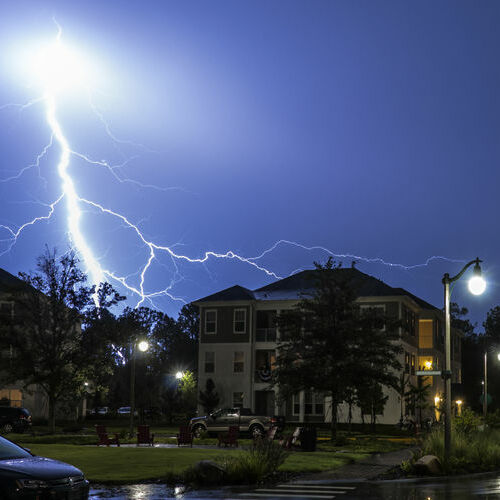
[295, 286]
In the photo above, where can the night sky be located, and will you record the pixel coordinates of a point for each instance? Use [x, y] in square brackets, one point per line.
[369, 128]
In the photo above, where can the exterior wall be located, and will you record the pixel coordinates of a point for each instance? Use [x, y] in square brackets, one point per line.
[225, 342]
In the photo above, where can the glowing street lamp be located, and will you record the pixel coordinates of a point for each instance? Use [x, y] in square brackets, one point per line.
[477, 286]
[459, 402]
[179, 375]
[143, 346]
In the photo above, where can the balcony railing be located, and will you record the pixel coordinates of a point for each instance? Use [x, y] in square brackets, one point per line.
[265, 335]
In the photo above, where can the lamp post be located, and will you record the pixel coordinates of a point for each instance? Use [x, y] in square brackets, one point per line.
[143, 347]
[477, 286]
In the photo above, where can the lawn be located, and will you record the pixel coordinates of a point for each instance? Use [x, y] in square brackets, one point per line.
[126, 465]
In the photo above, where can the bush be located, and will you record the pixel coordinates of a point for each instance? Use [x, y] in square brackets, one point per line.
[254, 464]
[472, 452]
[248, 467]
[467, 422]
[493, 419]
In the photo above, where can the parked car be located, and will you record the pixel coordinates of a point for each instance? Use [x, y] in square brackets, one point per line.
[13, 419]
[28, 477]
[222, 419]
[125, 410]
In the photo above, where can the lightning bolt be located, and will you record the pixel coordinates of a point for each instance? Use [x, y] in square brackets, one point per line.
[74, 203]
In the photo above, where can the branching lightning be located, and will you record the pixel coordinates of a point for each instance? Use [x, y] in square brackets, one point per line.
[53, 80]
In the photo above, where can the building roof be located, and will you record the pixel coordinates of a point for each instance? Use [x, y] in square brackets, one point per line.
[296, 286]
[233, 293]
[8, 281]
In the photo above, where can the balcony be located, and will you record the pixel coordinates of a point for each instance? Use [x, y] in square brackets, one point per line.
[265, 334]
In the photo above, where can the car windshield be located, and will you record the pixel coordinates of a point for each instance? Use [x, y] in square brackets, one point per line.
[9, 450]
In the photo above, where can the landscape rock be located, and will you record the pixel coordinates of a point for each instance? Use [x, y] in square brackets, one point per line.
[428, 465]
[209, 472]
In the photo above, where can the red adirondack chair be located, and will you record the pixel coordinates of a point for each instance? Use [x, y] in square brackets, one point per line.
[229, 438]
[185, 436]
[269, 436]
[143, 435]
[104, 439]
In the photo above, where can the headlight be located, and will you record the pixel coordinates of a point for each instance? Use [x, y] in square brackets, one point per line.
[31, 484]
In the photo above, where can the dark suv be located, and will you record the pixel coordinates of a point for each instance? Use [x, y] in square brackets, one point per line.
[14, 419]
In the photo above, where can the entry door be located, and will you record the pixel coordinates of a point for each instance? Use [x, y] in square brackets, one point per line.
[264, 403]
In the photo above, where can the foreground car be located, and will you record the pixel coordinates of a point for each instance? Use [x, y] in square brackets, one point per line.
[28, 477]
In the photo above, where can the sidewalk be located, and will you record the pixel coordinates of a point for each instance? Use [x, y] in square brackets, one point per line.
[370, 468]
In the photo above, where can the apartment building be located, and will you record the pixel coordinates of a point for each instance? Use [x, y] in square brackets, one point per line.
[16, 394]
[239, 339]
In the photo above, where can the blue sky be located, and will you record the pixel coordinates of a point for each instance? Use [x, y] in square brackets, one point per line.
[369, 128]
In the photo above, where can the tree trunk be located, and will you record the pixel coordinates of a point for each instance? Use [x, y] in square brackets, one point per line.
[52, 414]
[334, 417]
[349, 418]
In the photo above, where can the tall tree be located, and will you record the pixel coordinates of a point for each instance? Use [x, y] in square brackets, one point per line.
[329, 343]
[48, 346]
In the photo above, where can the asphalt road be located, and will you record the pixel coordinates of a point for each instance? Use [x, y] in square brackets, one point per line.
[457, 488]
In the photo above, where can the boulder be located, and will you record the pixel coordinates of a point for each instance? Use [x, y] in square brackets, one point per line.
[428, 465]
[209, 472]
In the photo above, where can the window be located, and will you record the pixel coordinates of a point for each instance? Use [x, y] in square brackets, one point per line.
[238, 363]
[6, 310]
[409, 320]
[238, 399]
[313, 403]
[240, 321]
[296, 404]
[209, 362]
[425, 334]
[210, 321]
[264, 364]
[378, 311]
[413, 364]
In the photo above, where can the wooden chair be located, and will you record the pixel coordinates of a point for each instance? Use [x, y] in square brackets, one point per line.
[290, 440]
[229, 438]
[143, 435]
[269, 436]
[185, 436]
[104, 439]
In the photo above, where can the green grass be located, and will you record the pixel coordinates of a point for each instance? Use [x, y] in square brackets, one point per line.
[319, 461]
[127, 465]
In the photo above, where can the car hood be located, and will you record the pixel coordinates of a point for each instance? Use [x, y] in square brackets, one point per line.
[39, 467]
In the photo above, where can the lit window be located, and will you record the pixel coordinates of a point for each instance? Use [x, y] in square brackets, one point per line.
[209, 362]
[211, 321]
[425, 334]
[240, 321]
[238, 364]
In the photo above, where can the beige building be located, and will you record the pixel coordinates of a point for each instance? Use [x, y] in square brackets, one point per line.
[239, 339]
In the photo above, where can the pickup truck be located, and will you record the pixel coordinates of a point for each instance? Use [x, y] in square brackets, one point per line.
[220, 420]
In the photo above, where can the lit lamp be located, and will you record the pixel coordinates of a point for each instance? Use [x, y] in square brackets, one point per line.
[459, 406]
[428, 365]
[143, 346]
[477, 286]
[179, 375]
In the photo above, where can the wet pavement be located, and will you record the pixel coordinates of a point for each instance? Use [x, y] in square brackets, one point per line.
[478, 486]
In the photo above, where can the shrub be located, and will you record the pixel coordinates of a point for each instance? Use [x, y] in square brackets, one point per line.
[467, 422]
[470, 452]
[254, 464]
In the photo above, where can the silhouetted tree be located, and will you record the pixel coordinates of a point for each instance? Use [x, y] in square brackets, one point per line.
[209, 398]
[328, 343]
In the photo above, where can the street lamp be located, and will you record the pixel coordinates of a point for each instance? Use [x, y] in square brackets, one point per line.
[179, 375]
[477, 286]
[143, 347]
[459, 406]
